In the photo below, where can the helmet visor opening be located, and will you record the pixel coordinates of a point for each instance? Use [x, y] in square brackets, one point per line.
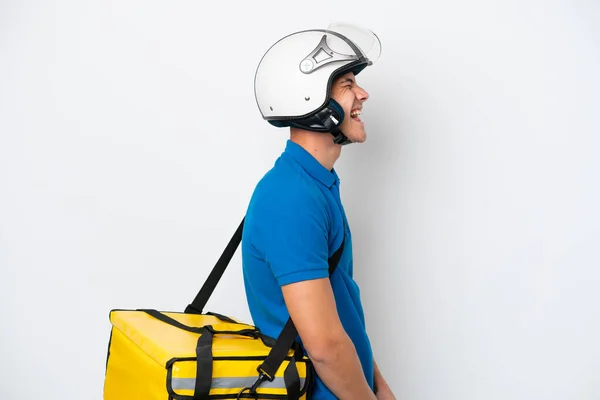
[353, 40]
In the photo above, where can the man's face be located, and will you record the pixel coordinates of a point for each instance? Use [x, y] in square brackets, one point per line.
[351, 97]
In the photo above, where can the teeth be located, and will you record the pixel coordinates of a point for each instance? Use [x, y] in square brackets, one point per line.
[355, 113]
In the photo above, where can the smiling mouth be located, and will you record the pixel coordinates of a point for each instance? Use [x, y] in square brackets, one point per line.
[355, 115]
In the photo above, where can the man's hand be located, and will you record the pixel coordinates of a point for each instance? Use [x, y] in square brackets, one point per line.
[385, 393]
[312, 308]
[382, 390]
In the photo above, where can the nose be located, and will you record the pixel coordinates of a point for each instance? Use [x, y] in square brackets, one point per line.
[361, 94]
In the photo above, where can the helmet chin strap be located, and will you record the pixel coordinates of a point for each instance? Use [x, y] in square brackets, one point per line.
[331, 119]
[331, 123]
[325, 120]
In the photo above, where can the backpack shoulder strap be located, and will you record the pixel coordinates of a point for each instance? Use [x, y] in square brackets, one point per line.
[197, 305]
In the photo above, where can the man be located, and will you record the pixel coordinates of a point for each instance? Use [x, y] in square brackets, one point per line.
[296, 221]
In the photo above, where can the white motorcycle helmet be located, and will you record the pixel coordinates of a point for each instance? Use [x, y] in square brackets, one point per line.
[293, 79]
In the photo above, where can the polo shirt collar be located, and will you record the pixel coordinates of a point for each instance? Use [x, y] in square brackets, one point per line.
[311, 165]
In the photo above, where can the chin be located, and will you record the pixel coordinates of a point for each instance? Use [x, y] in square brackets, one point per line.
[357, 137]
[354, 131]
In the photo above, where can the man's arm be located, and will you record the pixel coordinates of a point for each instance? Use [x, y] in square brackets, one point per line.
[312, 308]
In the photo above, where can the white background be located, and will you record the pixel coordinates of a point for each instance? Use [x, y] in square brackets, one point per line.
[130, 143]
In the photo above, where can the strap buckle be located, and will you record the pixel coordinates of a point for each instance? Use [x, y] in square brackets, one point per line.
[262, 376]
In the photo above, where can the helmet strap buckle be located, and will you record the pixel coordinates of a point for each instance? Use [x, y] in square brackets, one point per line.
[331, 123]
[338, 136]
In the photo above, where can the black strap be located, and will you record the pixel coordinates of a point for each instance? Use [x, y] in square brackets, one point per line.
[221, 317]
[211, 282]
[291, 376]
[292, 380]
[166, 319]
[250, 332]
[284, 342]
[204, 365]
[288, 335]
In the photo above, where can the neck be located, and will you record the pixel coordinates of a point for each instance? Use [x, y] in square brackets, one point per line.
[319, 144]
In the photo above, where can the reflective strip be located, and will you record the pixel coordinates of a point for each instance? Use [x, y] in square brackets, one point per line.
[224, 383]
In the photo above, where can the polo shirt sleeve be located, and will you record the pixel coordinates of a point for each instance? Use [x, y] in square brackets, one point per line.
[294, 238]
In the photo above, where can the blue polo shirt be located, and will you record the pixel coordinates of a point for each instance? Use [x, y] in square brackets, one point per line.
[294, 223]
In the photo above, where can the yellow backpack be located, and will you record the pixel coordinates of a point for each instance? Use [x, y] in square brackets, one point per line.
[191, 355]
